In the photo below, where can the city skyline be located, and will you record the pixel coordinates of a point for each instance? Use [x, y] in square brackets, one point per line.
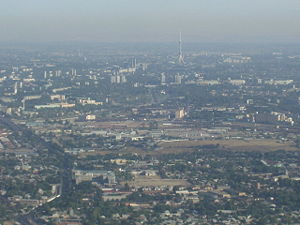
[129, 112]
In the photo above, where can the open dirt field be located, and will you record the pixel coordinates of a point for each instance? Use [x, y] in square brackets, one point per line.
[235, 145]
[178, 147]
[151, 181]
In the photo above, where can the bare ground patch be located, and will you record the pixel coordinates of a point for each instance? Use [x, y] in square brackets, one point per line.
[155, 181]
[235, 145]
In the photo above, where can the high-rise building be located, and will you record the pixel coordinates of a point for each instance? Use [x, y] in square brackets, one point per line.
[163, 79]
[16, 88]
[73, 72]
[113, 79]
[133, 63]
[179, 114]
[177, 79]
[58, 73]
[118, 79]
[123, 79]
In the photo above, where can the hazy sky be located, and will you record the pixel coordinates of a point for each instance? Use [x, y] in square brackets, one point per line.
[150, 20]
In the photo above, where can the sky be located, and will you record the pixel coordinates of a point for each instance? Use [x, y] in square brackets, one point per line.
[150, 20]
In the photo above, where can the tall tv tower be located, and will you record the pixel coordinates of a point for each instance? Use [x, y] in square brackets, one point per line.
[180, 56]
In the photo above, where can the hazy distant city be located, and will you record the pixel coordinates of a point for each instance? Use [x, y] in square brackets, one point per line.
[161, 112]
[172, 133]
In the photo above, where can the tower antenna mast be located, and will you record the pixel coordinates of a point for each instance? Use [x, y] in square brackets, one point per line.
[180, 55]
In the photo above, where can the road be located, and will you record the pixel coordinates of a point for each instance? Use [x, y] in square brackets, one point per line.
[53, 149]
